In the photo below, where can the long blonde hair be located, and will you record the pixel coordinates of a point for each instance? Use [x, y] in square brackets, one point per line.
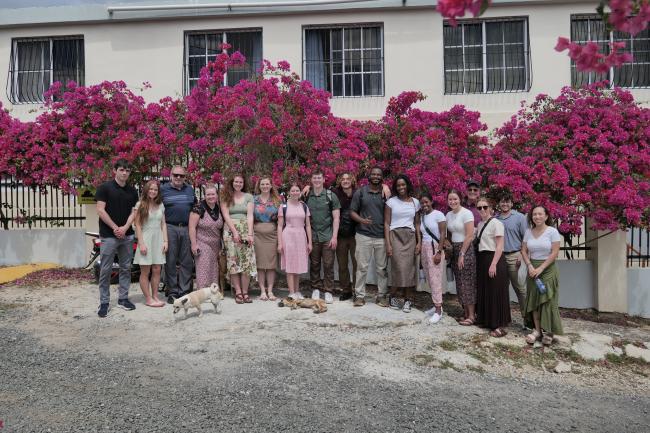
[146, 203]
[275, 196]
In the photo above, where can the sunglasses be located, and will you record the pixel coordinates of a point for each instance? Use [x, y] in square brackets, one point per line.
[178, 175]
[482, 207]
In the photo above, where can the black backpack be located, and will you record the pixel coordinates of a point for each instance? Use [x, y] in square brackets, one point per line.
[284, 213]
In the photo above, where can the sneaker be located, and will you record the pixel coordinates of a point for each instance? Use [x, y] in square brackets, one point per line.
[298, 295]
[170, 300]
[407, 307]
[382, 301]
[315, 294]
[345, 296]
[126, 304]
[436, 317]
[103, 310]
[328, 298]
[395, 303]
[431, 311]
[359, 302]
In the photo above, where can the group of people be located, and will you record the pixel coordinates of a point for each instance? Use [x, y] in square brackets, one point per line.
[315, 226]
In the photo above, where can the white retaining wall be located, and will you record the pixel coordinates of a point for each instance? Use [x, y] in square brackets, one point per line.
[66, 247]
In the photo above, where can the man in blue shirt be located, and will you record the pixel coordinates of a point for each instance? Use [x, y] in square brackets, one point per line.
[178, 199]
[515, 225]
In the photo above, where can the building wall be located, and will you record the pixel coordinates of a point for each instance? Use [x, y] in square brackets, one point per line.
[152, 51]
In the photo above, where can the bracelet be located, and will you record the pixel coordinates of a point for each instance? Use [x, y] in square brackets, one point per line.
[462, 254]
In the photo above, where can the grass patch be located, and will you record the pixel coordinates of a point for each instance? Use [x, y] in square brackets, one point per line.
[422, 359]
[7, 306]
[448, 345]
[446, 364]
[479, 356]
[476, 369]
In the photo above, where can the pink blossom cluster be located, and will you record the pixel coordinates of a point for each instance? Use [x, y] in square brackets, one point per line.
[588, 57]
[629, 16]
[452, 9]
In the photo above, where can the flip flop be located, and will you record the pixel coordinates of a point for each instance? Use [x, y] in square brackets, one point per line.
[466, 322]
[263, 297]
[272, 297]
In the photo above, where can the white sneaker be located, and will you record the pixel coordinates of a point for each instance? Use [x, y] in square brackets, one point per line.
[436, 317]
[328, 298]
[431, 311]
[315, 294]
[299, 295]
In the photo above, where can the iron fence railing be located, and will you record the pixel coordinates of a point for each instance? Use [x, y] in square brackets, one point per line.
[638, 247]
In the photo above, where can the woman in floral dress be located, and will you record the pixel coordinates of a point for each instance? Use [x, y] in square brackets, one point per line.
[205, 227]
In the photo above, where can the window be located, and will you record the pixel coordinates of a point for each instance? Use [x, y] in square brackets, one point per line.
[36, 63]
[487, 56]
[345, 61]
[634, 74]
[201, 48]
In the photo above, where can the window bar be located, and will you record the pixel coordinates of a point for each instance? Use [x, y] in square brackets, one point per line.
[331, 62]
[484, 55]
[361, 57]
[343, 60]
[526, 49]
[462, 44]
[611, 70]
[224, 40]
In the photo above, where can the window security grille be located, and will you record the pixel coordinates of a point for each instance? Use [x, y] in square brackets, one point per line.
[487, 56]
[636, 74]
[203, 47]
[36, 63]
[345, 61]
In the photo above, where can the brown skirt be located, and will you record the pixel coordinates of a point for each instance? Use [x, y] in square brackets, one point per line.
[402, 262]
[466, 277]
[266, 245]
[492, 294]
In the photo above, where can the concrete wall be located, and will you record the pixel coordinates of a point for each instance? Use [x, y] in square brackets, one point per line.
[62, 246]
[152, 51]
[638, 292]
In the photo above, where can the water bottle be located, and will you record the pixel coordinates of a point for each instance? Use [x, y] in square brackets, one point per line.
[540, 286]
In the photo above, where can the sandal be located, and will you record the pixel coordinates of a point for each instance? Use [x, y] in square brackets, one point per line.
[547, 340]
[272, 297]
[533, 336]
[466, 322]
[247, 299]
[239, 298]
[263, 297]
[498, 333]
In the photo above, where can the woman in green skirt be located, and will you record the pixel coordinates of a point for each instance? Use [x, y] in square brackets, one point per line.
[539, 250]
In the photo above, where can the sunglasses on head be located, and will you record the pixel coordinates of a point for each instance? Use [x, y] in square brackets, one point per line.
[178, 175]
[482, 207]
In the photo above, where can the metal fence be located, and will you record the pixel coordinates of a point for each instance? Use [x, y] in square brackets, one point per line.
[25, 207]
[638, 247]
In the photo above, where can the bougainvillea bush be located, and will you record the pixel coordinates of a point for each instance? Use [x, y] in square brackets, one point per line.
[438, 151]
[273, 124]
[583, 153]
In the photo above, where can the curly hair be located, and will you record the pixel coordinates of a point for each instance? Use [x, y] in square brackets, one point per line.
[228, 191]
[146, 203]
[409, 186]
[353, 178]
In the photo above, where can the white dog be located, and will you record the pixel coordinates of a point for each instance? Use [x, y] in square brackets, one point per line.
[195, 299]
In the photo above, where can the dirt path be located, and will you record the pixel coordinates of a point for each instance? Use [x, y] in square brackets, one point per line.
[262, 368]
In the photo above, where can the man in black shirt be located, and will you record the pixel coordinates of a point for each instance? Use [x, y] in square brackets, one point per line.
[115, 202]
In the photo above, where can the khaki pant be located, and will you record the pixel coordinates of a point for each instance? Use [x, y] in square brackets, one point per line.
[344, 248]
[366, 248]
[513, 274]
[321, 253]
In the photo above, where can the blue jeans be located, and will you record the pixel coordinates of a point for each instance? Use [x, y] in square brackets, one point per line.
[108, 248]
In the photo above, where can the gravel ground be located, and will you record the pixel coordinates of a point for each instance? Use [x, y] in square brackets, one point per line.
[260, 368]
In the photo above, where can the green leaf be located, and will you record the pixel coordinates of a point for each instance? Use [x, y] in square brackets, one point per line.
[484, 7]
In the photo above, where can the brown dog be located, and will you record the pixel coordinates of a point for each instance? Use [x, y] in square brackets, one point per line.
[317, 305]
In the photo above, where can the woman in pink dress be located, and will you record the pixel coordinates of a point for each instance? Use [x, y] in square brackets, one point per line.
[294, 239]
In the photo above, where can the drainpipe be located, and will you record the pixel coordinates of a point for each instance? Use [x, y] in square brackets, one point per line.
[230, 6]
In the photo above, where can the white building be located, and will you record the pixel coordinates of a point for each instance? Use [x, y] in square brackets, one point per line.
[363, 51]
